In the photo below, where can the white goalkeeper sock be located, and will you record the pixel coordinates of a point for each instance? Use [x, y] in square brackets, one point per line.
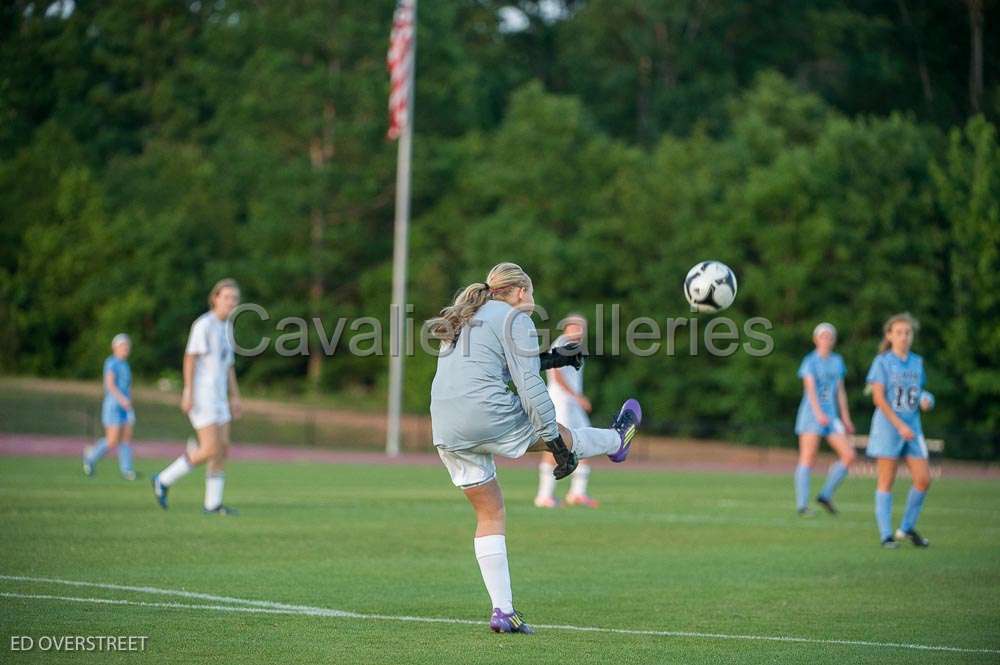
[546, 481]
[591, 441]
[179, 468]
[578, 481]
[491, 551]
[214, 483]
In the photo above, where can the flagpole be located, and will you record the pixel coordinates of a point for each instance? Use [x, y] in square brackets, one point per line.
[397, 312]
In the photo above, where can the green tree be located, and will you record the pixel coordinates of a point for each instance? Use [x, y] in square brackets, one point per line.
[968, 188]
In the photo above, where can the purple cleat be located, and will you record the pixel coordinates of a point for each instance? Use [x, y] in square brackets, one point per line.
[501, 622]
[626, 424]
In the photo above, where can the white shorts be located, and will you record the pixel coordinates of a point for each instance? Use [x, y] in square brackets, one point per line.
[570, 414]
[471, 467]
[213, 413]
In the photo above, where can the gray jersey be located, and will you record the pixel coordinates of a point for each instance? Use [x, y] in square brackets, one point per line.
[470, 401]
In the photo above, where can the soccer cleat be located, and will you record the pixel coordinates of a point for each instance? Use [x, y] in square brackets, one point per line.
[827, 504]
[890, 543]
[581, 500]
[221, 509]
[626, 423]
[160, 492]
[509, 623]
[805, 511]
[88, 468]
[913, 537]
[546, 502]
[129, 475]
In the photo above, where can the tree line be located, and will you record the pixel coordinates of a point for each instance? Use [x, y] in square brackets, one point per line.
[841, 156]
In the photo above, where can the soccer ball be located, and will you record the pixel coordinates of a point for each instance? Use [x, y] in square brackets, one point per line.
[710, 286]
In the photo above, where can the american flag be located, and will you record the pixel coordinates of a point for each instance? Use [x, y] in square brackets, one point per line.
[400, 61]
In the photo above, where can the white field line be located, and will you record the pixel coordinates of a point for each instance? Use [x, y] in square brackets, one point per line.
[178, 593]
[269, 607]
[301, 611]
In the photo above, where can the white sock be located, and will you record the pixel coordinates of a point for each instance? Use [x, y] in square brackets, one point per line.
[491, 551]
[214, 483]
[179, 468]
[591, 441]
[578, 481]
[546, 481]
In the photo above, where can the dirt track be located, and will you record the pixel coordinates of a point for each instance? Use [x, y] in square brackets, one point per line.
[650, 454]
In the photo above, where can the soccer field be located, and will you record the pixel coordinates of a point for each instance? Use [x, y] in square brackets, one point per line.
[374, 564]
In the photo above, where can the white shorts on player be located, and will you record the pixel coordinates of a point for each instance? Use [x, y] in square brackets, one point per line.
[488, 340]
[474, 466]
[202, 415]
[210, 398]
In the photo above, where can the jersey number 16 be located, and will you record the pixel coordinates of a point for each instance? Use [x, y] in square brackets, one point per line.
[911, 395]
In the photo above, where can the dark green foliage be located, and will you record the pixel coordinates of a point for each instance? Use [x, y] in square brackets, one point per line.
[824, 150]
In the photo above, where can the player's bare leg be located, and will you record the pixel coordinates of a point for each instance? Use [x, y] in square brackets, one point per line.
[215, 477]
[546, 496]
[491, 553]
[578, 494]
[93, 454]
[209, 446]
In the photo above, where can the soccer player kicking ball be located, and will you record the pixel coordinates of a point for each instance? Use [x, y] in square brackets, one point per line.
[572, 406]
[488, 339]
[211, 399]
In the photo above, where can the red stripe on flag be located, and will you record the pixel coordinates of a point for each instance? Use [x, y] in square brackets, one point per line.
[400, 62]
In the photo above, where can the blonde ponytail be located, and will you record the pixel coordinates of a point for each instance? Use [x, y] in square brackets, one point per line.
[902, 317]
[502, 280]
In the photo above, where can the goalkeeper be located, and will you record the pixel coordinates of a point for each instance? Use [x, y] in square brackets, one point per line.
[488, 340]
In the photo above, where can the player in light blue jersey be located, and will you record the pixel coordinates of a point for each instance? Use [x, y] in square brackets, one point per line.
[822, 413]
[897, 381]
[117, 415]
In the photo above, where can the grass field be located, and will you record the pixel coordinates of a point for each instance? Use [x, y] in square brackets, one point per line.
[705, 553]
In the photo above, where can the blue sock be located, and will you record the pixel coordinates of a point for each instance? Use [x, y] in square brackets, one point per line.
[98, 452]
[914, 504]
[125, 457]
[883, 513]
[802, 486]
[834, 477]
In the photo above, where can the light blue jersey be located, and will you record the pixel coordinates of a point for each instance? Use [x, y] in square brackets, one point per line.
[112, 413]
[903, 380]
[123, 375]
[827, 373]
